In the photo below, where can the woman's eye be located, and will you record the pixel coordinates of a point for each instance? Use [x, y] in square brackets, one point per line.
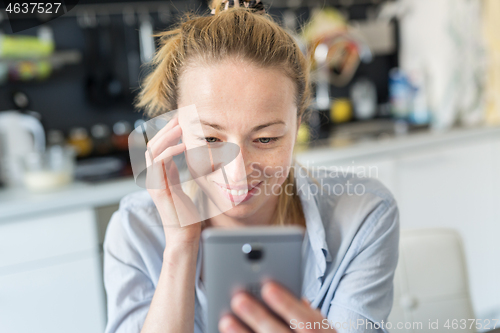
[266, 140]
[211, 140]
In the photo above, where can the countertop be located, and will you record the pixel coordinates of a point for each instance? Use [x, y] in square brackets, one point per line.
[19, 203]
[343, 149]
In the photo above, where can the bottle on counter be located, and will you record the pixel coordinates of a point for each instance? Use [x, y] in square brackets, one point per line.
[420, 112]
[363, 95]
[80, 140]
[400, 94]
[121, 131]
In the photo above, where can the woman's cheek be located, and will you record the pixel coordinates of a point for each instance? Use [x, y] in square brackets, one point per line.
[276, 168]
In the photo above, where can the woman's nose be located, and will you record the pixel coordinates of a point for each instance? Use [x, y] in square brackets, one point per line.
[236, 170]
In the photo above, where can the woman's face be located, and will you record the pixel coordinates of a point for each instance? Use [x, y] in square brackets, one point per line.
[253, 108]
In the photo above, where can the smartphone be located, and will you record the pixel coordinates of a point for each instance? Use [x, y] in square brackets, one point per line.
[236, 259]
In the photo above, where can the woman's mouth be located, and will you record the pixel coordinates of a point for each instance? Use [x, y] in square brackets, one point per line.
[238, 193]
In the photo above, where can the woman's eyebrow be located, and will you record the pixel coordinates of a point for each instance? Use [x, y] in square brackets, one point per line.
[277, 122]
[255, 129]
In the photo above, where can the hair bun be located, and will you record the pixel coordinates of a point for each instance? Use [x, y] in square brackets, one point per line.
[256, 6]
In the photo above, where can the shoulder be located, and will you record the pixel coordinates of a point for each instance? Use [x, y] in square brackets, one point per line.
[136, 225]
[355, 206]
[337, 184]
[136, 210]
[137, 200]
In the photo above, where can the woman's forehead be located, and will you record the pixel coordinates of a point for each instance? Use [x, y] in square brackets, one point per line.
[236, 88]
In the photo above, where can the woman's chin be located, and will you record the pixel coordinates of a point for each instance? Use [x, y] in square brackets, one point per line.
[241, 211]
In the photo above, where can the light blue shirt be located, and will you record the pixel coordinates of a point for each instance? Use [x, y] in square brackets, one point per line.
[350, 253]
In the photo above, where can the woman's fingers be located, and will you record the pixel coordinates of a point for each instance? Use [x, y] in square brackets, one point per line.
[171, 124]
[166, 140]
[286, 305]
[229, 324]
[255, 315]
[169, 152]
[163, 171]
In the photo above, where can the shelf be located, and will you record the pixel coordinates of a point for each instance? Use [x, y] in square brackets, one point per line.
[322, 3]
[58, 59]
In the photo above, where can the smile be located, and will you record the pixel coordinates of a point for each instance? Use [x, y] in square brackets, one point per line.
[238, 193]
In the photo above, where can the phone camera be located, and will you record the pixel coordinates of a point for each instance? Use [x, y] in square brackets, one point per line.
[253, 252]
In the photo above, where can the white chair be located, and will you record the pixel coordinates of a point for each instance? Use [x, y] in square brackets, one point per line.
[431, 283]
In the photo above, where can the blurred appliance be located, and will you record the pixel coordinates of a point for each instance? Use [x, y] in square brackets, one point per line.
[20, 134]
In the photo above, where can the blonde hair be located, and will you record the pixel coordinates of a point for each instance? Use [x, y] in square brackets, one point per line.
[209, 40]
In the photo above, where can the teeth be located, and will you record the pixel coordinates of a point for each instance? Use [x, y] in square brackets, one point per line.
[236, 192]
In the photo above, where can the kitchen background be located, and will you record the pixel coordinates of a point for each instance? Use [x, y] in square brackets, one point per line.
[410, 87]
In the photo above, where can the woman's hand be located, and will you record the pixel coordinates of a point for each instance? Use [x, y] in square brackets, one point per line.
[178, 213]
[172, 307]
[296, 314]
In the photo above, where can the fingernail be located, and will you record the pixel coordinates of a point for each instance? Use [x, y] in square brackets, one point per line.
[270, 292]
[226, 325]
[240, 303]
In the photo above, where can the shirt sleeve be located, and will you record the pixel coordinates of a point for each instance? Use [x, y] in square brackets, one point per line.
[364, 296]
[129, 288]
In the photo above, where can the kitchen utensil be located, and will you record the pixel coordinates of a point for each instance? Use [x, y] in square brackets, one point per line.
[49, 170]
[20, 134]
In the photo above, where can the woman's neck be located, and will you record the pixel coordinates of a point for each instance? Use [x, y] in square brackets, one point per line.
[263, 216]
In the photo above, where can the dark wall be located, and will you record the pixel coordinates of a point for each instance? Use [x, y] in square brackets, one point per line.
[64, 100]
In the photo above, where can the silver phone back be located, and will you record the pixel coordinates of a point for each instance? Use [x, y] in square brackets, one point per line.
[228, 269]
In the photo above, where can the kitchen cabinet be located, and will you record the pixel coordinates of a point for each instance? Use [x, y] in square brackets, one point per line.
[50, 275]
[454, 187]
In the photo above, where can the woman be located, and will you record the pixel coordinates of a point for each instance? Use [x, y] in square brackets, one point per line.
[250, 85]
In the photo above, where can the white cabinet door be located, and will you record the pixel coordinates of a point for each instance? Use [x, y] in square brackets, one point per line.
[60, 298]
[50, 276]
[453, 187]
[47, 237]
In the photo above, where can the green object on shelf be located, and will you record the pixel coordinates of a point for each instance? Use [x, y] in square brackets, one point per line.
[24, 47]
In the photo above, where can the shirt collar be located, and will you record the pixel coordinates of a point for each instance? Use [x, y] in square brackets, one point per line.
[307, 191]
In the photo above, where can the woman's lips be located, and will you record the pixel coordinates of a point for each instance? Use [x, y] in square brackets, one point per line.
[237, 196]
